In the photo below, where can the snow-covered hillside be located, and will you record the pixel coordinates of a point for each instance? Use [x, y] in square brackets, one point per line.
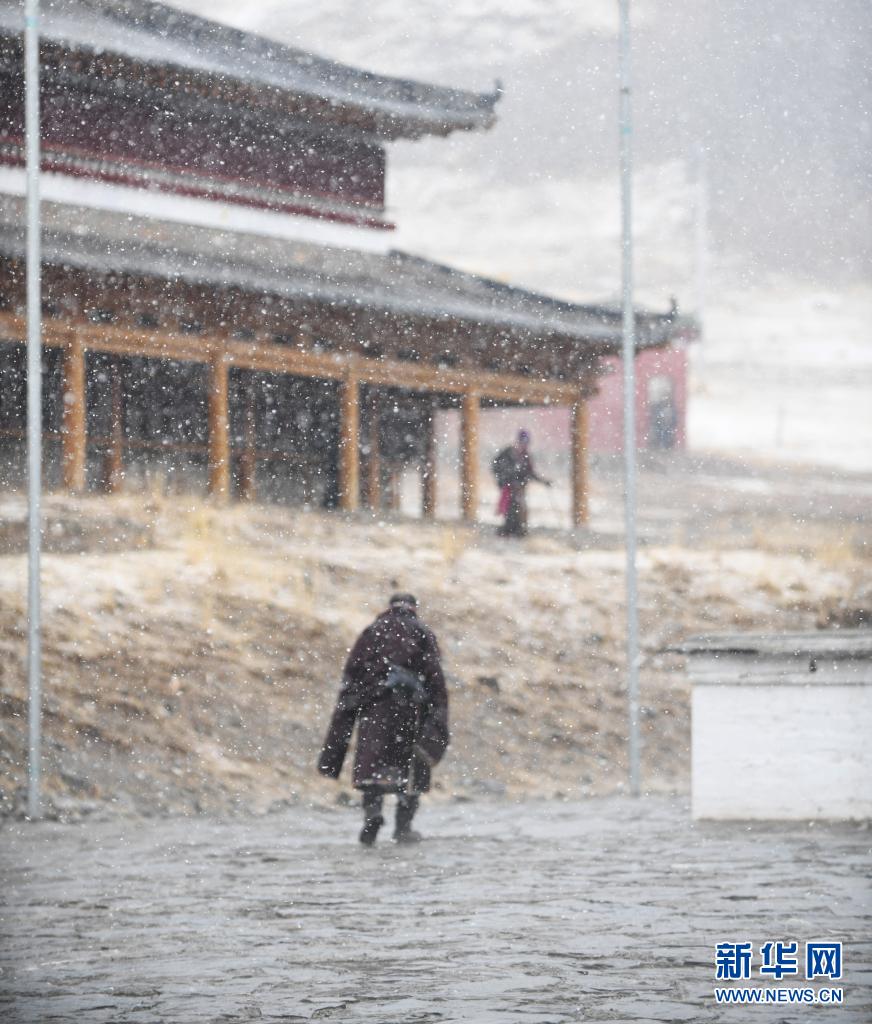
[192, 654]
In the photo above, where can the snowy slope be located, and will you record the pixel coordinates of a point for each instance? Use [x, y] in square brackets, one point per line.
[192, 654]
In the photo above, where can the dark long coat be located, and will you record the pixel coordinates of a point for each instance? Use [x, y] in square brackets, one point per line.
[519, 471]
[397, 744]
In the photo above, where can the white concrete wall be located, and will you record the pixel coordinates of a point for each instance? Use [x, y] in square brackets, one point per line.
[782, 751]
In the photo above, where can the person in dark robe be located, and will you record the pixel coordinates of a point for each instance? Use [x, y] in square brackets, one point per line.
[514, 469]
[394, 690]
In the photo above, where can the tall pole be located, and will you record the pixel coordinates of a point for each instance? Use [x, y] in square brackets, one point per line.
[34, 404]
[629, 355]
[701, 233]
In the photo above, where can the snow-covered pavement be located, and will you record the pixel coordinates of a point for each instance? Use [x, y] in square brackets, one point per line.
[607, 910]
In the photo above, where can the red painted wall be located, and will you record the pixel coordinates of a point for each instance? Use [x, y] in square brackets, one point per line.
[550, 427]
[606, 408]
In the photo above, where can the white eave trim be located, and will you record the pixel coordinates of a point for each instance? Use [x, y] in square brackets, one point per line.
[208, 213]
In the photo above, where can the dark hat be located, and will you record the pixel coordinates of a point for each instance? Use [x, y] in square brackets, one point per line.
[524, 436]
[403, 600]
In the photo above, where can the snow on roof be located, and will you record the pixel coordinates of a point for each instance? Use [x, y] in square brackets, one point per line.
[107, 242]
[846, 643]
[157, 34]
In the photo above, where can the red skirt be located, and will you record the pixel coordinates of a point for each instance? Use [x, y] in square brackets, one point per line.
[505, 500]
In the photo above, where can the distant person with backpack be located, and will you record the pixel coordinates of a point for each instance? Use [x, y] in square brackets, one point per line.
[394, 689]
[513, 469]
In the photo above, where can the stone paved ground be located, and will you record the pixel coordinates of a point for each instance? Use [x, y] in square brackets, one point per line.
[601, 911]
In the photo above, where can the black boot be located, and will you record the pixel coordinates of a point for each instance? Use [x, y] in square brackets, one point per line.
[370, 829]
[403, 831]
[372, 817]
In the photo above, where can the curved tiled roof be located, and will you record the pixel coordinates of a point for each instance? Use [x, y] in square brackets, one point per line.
[395, 282]
[157, 34]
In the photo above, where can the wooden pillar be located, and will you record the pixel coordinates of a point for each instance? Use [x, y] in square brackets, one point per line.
[74, 440]
[469, 456]
[428, 476]
[392, 497]
[349, 449]
[248, 458]
[219, 431]
[373, 461]
[579, 463]
[114, 465]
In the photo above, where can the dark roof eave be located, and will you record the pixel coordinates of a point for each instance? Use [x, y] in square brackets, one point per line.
[597, 338]
[653, 330]
[106, 242]
[400, 107]
[416, 127]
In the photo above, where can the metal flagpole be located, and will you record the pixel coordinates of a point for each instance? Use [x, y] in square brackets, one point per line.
[629, 355]
[34, 403]
[701, 232]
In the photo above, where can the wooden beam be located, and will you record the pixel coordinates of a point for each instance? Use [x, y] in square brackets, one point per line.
[469, 455]
[272, 358]
[579, 446]
[74, 431]
[219, 432]
[349, 444]
[114, 464]
[373, 459]
[248, 456]
[394, 373]
[428, 470]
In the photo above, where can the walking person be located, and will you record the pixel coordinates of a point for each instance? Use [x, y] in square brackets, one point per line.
[393, 688]
[513, 469]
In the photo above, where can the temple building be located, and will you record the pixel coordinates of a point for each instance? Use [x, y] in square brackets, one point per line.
[221, 299]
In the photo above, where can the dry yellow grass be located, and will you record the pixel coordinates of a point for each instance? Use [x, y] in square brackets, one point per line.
[199, 672]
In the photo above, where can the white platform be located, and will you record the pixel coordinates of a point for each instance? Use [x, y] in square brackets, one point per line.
[782, 726]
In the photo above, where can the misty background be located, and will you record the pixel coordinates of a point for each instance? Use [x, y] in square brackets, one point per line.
[776, 98]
